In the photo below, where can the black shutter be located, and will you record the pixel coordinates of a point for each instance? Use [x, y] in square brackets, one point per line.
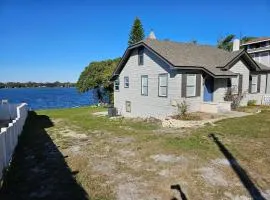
[259, 83]
[198, 85]
[240, 84]
[184, 85]
[250, 84]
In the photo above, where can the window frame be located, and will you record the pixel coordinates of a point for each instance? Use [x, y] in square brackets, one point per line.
[140, 56]
[126, 82]
[144, 76]
[118, 80]
[129, 111]
[255, 84]
[163, 75]
[195, 86]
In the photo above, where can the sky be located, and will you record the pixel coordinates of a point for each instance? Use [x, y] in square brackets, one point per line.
[54, 40]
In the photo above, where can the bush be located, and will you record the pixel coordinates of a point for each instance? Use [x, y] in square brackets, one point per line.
[251, 102]
[182, 108]
[234, 98]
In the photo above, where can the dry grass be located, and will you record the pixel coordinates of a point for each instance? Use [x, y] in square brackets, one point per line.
[132, 159]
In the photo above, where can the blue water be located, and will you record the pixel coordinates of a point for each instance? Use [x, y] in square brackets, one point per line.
[48, 98]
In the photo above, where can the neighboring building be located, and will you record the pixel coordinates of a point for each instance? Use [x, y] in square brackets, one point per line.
[259, 50]
[154, 76]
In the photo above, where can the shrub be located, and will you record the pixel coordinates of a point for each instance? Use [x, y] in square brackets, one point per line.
[251, 102]
[234, 98]
[182, 108]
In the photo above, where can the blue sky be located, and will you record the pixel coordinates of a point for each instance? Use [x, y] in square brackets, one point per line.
[49, 40]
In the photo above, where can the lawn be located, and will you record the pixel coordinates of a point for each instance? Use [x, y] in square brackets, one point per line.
[73, 154]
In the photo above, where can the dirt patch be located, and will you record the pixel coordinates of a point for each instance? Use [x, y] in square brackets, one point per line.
[213, 176]
[123, 140]
[168, 158]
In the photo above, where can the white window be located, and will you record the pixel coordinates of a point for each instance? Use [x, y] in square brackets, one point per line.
[140, 56]
[126, 82]
[128, 106]
[191, 85]
[254, 82]
[144, 85]
[163, 85]
[234, 86]
[116, 84]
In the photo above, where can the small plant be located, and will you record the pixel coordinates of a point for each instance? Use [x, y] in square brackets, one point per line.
[251, 102]
[182, 108]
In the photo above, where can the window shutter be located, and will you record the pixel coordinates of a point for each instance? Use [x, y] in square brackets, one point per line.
[259, 83]
[250, 84]
[184, 85]
[198, 85]
[240, 84]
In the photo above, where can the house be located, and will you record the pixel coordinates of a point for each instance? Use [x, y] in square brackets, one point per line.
[154, 76]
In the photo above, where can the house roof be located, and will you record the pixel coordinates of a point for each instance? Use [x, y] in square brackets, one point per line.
[260, 39]
[191, 56]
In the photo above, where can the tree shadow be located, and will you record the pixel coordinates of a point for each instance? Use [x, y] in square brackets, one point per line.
[241, 173]
[178, 188]
[38, 169]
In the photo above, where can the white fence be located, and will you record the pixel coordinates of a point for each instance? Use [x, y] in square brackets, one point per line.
[9, 135]
[266, 100]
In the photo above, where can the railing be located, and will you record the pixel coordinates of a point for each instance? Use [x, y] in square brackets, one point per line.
[9, 135]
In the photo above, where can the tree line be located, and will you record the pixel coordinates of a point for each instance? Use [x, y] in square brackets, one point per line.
[35, 84]
[97, 74]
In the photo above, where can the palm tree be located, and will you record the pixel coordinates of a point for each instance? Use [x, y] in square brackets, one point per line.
[226, 42]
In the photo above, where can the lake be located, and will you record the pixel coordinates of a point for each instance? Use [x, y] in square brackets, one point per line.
[48, 98]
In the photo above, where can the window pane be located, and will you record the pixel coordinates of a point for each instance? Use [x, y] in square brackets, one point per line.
[191, 79]
[144, 90]
[191, 91]
[144, 81]
[254, 79]
[126, 81]
[254, 88]
[162, 91]
[163, 80]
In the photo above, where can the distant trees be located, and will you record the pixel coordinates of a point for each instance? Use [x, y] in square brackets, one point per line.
[136, 33]
[97, 76]
[35, 84]
[226, 43]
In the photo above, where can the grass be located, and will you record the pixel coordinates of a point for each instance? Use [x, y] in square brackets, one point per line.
[112, 151]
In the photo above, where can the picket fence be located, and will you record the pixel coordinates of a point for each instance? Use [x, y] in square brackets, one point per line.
[17, 115]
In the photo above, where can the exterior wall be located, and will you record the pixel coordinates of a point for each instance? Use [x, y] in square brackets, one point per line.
[151, 105]
[241, 68]
[268, 83]
[220, 88]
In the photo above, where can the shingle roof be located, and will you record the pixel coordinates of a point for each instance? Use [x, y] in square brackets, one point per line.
[187, 55]
[192, 55]
[256, 40]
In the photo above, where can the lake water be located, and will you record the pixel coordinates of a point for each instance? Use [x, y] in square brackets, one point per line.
[48, 98]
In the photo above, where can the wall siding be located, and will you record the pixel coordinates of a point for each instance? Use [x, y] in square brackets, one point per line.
[151, 105]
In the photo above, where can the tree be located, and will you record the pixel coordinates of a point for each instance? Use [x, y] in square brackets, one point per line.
[226, 43]
[96, 76]
[136, 33]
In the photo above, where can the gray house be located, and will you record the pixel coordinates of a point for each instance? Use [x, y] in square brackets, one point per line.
[154, 76]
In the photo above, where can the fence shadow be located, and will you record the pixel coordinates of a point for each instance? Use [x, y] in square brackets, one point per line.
[241, 173]
[38, 169]
[177, 187]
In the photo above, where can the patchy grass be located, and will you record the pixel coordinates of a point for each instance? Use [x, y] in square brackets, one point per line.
[137, 159]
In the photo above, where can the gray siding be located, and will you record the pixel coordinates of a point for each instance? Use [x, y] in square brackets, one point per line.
[151, 105]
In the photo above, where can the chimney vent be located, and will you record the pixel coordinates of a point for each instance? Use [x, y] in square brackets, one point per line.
[152, 35]
[236, 44]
